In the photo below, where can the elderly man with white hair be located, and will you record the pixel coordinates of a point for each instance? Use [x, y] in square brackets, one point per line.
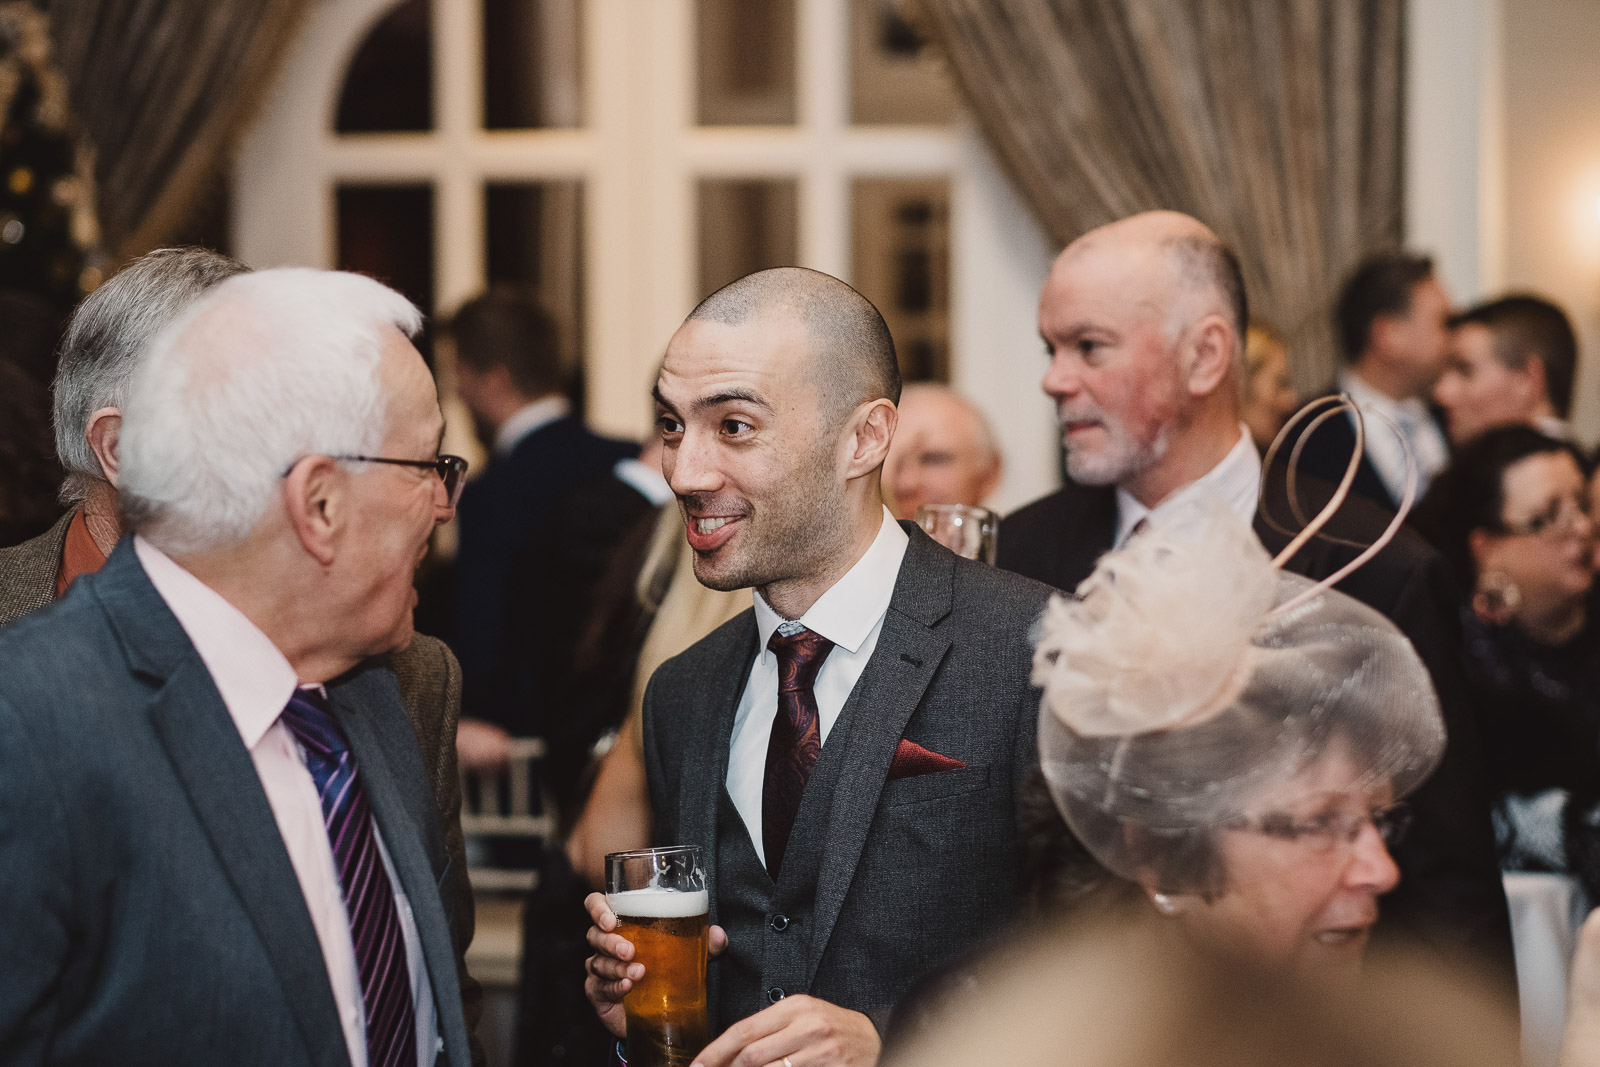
[217, 839]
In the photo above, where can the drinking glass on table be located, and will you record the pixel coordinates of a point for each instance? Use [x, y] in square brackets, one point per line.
[659, 898]
[963, 529]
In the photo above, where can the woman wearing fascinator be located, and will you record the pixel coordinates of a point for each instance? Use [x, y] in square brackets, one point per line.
[1230, 745]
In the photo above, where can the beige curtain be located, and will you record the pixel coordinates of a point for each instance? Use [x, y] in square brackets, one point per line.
[161, 87]
[1278, 122]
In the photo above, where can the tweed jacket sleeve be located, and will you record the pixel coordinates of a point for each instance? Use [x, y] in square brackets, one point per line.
[430, 685]
[28, 572]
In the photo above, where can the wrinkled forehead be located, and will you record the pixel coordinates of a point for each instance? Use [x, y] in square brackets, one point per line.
[1130, 282]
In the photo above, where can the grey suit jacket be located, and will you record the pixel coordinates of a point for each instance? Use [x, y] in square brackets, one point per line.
[148, 909]
[430, 685]
[914, 871]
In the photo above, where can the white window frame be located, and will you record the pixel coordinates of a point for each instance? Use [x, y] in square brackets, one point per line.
[639, 157]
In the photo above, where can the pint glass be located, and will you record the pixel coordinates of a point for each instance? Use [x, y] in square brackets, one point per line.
[659, 898]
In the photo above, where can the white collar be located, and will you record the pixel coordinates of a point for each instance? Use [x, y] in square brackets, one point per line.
[251, 674]
[1368, 396]
[526, 419]
[1236, 481]
[1553, 426]
[852, 606]
[647, 481]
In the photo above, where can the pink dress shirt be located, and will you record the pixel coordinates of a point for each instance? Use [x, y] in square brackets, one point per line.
[256, 681]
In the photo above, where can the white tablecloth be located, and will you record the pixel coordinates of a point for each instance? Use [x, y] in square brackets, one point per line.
[1546, 910]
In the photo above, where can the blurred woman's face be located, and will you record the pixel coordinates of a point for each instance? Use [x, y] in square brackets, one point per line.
[1545, 544]
[1305, 866]
[1269, 399]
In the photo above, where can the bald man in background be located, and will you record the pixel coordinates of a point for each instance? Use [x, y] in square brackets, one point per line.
[942, 452]
[1144, 321]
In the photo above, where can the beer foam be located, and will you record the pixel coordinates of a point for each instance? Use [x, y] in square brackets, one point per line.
[659, 903]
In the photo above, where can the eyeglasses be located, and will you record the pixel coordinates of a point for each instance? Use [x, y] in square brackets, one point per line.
[452, 471]
[1560, 517]
[1326, 830]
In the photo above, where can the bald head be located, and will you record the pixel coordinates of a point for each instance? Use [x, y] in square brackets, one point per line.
[942, 452]
[1144, 320]
[852, 355]
[1203, 273]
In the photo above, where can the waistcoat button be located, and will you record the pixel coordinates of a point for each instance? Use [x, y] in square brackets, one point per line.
[780, 923]
[774, 994]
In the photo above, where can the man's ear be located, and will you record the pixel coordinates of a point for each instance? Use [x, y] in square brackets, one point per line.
[1210, 355]
[873, 427]
[102, 434]
[313, 499]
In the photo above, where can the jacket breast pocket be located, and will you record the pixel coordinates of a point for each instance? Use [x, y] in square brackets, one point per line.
[939, 785]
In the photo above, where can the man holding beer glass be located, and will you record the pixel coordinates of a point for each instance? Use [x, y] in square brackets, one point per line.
[846, 755]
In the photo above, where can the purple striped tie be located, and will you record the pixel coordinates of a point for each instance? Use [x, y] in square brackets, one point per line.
[368, 897]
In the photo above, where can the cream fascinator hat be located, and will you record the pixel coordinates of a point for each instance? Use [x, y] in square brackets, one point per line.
[1189, 672]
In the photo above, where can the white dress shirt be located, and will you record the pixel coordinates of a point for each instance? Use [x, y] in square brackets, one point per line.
[1236, 481]
[255, 682]
[1385, 450]
[527, 419]
[850, 614]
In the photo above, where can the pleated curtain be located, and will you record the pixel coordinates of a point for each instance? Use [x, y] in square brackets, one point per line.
[1278, 122]
[162, 87]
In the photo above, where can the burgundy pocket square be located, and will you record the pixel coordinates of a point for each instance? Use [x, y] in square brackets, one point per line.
[911, 759]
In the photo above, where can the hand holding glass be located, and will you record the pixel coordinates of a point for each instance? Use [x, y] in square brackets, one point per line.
[659, 898]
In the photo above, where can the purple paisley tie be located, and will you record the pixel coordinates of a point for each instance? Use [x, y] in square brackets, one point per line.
[368, 897]
[796, 738]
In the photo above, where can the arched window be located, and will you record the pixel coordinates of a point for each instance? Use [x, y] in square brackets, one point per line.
[622, 158]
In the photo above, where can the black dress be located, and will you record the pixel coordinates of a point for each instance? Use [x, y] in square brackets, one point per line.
[1540, 711]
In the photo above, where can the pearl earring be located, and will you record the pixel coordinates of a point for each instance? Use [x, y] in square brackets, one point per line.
[1164, 903]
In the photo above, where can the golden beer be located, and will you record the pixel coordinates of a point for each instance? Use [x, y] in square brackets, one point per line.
[666, 1009]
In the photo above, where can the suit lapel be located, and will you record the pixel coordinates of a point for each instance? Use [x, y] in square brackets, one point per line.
[897, 676]
[374, 719]
[1090, 532]
[706, 766]
[221, 781]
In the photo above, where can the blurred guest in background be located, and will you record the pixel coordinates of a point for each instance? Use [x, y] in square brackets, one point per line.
[107, 333]
[1510, 514]
[512, 376]
[1266, 397]
[1144, 319]
[1392, 319]
[567, 573]
[942, 453]
[29, 473]
[1114, 993]
[1512, 361]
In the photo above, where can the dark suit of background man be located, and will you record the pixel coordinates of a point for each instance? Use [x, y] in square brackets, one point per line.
[1143, 320]
[218, 843]
[1392, 318]
[107, 333]
[847, 753]
[512, 376]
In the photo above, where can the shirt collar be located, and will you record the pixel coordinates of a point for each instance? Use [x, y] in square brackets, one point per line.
[1366, 396]
[526, 419]
[852, 606]
[1236, 481]
[253, 677]
[1553, 426]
